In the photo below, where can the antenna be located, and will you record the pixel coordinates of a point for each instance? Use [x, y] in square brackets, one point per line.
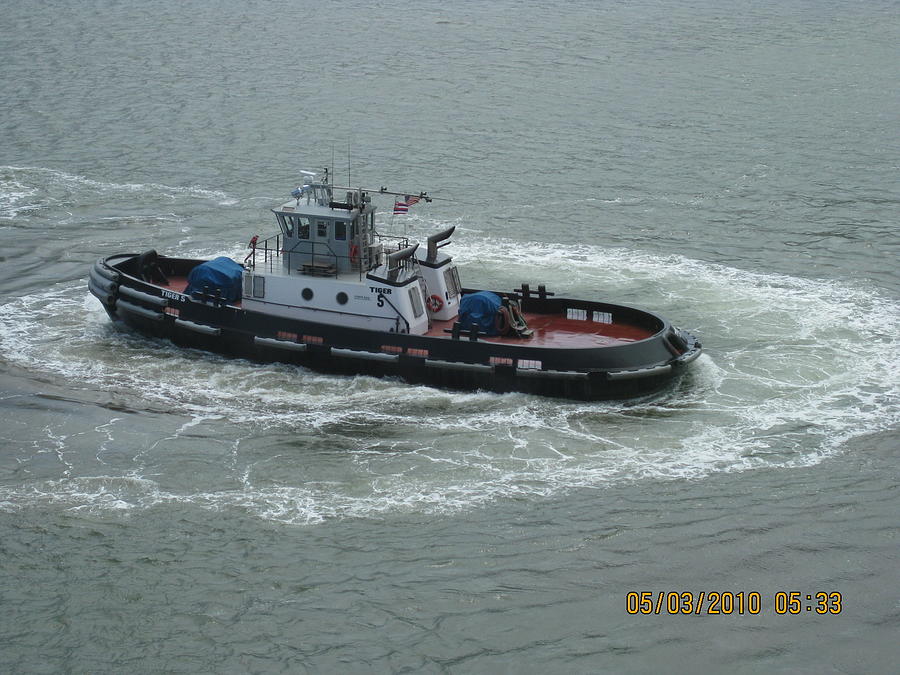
[349, 182]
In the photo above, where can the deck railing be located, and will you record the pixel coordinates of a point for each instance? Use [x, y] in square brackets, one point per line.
[269, 253]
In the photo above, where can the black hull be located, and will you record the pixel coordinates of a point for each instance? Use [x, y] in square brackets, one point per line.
[613, 372]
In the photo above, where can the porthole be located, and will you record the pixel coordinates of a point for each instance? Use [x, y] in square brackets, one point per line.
[307, 294]
[342, 298]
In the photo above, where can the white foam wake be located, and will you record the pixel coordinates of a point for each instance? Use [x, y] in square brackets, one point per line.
[794, 369]
[24, 189]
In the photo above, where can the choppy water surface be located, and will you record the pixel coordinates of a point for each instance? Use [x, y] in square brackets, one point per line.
[735, 170]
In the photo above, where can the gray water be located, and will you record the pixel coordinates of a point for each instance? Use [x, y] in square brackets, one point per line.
[732, 166]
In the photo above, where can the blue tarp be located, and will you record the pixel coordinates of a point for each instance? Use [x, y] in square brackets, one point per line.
[481, 309]
[222, 273]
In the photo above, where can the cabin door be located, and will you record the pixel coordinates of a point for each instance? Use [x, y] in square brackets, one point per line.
[340, 243]
[357, 250]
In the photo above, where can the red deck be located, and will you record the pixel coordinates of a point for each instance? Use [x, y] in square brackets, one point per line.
[177, 284]
[555, 330]
[550, 330]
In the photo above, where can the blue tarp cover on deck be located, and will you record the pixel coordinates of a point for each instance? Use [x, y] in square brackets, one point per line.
[222, 273]
[481, 309]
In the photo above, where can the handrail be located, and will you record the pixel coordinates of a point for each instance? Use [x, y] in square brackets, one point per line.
[404, 241]
[277, 251]
[271, 250]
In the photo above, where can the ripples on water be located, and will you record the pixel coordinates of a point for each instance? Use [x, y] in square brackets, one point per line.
[729, 165]
[794, 368]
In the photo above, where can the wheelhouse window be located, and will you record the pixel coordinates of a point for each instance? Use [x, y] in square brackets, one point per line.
[302, 225]
[285, 224]
[322, 229]
[340, 231]
[293, 225]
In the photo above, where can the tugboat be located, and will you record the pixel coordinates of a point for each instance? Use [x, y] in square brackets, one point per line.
[328, 292]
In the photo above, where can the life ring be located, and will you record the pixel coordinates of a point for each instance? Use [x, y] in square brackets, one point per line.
[434, 303]
[501, 321]
[354, 254]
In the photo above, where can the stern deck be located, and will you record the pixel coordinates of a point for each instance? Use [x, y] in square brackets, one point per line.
[557, 330]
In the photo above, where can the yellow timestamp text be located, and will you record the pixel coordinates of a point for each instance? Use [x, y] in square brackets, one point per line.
[733, 602]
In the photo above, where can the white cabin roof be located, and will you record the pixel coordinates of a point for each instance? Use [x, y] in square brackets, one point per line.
[316, 211]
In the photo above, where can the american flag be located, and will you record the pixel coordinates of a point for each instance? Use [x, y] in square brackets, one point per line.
[403, 207]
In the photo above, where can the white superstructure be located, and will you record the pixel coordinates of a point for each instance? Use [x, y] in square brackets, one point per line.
[328, 264]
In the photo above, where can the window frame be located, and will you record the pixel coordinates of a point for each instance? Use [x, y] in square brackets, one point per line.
[415, 298]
